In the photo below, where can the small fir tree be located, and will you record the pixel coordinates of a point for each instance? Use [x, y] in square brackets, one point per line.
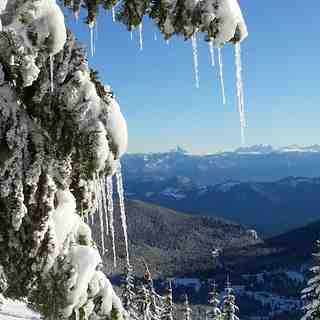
[229, 307]
[128, 293]
[187, 309]
[311, 294]
[214, 313]
[155, 299]
[167, 313]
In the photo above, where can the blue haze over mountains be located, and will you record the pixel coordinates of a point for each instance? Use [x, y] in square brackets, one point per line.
[272, 191]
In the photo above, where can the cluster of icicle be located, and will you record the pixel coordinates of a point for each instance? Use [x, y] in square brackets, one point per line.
[239, 82]
[212, 43]
[104, 208]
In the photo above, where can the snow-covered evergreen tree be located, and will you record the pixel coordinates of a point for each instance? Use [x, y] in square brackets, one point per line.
[311, 294]
[220, 20]
[61, 133]
[156, 300]
[129, 298]
[144, 302]
[168, 307]
[214, 313]
[187, 311]
[229, 307]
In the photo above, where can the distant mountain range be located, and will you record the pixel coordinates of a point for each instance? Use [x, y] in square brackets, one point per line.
[269, 207]
[256, 163]
[271, 190]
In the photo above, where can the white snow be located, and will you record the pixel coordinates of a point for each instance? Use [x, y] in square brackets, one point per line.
[188, 282]
[173, 193]
[84, 270]
[64, 216]
[227, 186]
[17, 310]
[117, 127]
[230, 19]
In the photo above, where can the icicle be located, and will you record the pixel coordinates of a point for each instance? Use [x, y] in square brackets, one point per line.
[100, 209]
[111, 220]
[51, 71]
[113, 15]
[155, 36]
[131, 35]
[167, 42]
[96, 30]
[76, 313]
[122, 209]
[91, 26]
[221, 75]
[195, 59]
[12, 63]
[240, 95]
[140, 36]
[76, 15]
[104, 203]
[211, 53]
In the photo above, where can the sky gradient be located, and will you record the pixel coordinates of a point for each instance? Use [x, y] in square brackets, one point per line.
[156, 88]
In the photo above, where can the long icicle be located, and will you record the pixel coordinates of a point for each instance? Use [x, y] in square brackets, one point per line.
[221, 75]
[51, 58]
[100, 209]
[240, 95]
[111, 219]
[104, 203]
[113, 14]
[96, 34]
[91, 26]
[155, 36]
[122, 209]
[140, 36]
[213, 63]
[195, 59]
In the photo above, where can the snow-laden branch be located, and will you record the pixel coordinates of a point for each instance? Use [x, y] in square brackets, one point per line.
[61, 131]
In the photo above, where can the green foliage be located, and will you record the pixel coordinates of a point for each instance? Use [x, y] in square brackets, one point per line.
[185, 21]
[115, 314]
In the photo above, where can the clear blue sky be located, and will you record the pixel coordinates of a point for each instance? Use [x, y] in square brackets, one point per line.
[156, 91]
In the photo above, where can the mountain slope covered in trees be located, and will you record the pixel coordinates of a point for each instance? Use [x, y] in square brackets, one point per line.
[176, 243]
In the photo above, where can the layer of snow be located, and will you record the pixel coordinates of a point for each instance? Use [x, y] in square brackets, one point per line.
[187, 282]
[18, 310]
[173, 193]
[117, 127]
[225, 187]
